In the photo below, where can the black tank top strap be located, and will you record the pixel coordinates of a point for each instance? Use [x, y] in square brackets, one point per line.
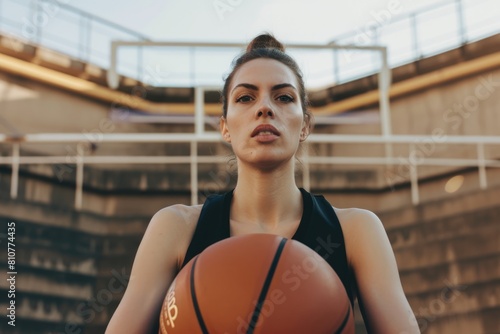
[213, 224]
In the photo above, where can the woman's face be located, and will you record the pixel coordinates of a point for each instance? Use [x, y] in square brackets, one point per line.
[264, 121]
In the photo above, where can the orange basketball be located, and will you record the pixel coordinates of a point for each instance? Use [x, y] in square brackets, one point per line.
[257, 283]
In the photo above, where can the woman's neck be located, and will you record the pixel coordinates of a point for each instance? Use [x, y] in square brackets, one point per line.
[266, 198]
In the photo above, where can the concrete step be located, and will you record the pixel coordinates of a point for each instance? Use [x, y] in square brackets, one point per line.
[39, 217]
[436, 278]
[465, 308]
[438, 252]
[453, 205]
[463, 224]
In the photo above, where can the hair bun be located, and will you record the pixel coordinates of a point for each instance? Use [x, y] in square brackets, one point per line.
[265, 41]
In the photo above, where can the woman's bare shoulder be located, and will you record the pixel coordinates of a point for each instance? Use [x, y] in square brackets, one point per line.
[355, 217]
[174, 226]
[361, 229]
[179, 215]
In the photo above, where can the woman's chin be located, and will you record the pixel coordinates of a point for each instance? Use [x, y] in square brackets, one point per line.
[269, 161]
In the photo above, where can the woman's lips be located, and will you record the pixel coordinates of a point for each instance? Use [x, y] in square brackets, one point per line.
[264, 130]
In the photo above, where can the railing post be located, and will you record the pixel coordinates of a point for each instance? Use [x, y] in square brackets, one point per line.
[199, 128]
[79, 178]
[193, 66]
[415, 197]
[14, 183]
[88, 42]
[81, 44]
[140, 72]
[483, 181]
[194, 172]
[461, 22]
[199, 117]
[336, 74]
[112, 74]
[384, 83]
[416, 51]
[35, 18]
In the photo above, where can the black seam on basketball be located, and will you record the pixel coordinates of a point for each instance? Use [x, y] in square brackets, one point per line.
[265, 287]
[344, 323]
[195, 300]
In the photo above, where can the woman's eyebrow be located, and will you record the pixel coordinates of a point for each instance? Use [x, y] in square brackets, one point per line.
[283, 85]
[246, 85]
[253, 87]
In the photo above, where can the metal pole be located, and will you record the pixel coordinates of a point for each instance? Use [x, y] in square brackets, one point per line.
[15, 171]
[416, 51]
[243, 45]
[415, 198]
[384, 82]
[183, 159]
[89, 39]
[38, 26]
[81, 44]
[193, 67]
[213, 136]
[79, 178]
[112, 75]
[140, 72]
[194, 173]
[199, 128]
[199, 122]
[336, 74]
[461, 22]
[481, 163]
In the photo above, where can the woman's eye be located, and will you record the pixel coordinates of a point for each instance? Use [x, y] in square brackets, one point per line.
[244, 98]
[285, 98]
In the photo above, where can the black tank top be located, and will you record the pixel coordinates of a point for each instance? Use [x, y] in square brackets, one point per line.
[319, 229]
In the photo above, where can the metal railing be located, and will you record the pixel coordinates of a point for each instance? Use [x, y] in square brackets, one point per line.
[193, 160]
[431, 30]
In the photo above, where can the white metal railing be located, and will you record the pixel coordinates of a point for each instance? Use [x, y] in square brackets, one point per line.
[80, 160]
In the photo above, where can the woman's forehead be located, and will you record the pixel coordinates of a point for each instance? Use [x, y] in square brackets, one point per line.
[264, 72]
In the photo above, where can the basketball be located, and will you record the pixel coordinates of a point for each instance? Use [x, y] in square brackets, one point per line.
[257, 283]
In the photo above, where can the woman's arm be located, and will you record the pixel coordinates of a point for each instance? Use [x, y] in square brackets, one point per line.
[155, 266]
[381, 297]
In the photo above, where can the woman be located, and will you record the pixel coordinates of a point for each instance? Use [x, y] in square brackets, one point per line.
[265, 118]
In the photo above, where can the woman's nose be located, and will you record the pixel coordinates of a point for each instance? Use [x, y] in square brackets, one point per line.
[265, 110]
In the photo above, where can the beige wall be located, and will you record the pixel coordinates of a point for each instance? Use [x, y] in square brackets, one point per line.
[466, 107]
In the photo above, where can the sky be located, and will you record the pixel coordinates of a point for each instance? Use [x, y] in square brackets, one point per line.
[297, 21]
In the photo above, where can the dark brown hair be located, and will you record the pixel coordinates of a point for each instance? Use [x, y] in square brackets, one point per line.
[266, 46]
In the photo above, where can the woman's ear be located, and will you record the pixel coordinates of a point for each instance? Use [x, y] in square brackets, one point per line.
[306, 128]
[303, 135]
[224, 129]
